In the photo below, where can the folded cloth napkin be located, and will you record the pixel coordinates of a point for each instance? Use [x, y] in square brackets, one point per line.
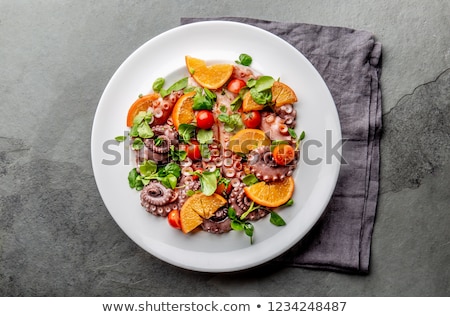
[350, 63]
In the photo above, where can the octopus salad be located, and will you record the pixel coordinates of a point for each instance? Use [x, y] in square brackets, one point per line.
[217, 149]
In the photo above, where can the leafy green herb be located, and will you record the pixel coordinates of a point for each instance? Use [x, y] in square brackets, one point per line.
[261, 89]
[168, 175]
[250, 179]
[276, 219]
[132, 175]
[186, 131]
[158, 141]
[158, 84]
[294, 136]
[290, 202]
[204, 100]
[302, 135]
[208, 181]
[239, 224]
[292, 133]
[222, 108]
[181, 84]
[177, 155]
[277, 142]
[204, 136]
[204, 151]
[148, 168]
[144, 130]
[236, 103]
[231, 122]
[120, 138]
[137, 144]
[244, 59]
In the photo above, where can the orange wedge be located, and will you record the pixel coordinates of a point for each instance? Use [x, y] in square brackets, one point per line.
[141, 104]
[211, 77]
[197, 207]
[182, 111]
[282, 94]
[189, 219]
[273, 194]
[247, 139]
[248, 104]
[193, 63]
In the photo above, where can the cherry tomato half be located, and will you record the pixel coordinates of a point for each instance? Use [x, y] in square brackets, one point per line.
[174, 218]
[193, 151]
[283, 154]
[223, 189]
[205, 119]
[251, 119]
[235, 85]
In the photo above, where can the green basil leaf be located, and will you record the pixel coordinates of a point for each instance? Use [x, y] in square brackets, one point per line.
[290, 202]
[186, 131]
[236, 103]
[261, 97]
[236, 225]
[251, 83]
[132, 175]
[148, 168]
[137, 144]
[208, 182]
[173, 168]
[205, 136]
[276, 219]
[249, 229]
[264, 83]
[302, 135]
[244, 59]
[144, 130]
[180, 84]
[158, 84]
[232, 213]
[139, 117]
[292, 133]
[250, 179]
[170, 181]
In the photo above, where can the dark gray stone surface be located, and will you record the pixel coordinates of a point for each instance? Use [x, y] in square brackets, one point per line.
[58, 239]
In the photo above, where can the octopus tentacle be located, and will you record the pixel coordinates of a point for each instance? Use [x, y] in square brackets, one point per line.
[157, 199]
[239, 201]
[261, 164]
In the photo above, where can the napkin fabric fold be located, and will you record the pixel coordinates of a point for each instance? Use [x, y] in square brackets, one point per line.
[350, 63]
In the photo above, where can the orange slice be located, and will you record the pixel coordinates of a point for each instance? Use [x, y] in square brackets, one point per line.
[193, 63]
[248, 104]
[282, 94]
[248, 139]
[189, 219]
[197, 207]
[141, 104]
[182, 111]
[211, 77]
[273, 194]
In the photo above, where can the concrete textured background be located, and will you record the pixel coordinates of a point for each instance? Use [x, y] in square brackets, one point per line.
[58, 239]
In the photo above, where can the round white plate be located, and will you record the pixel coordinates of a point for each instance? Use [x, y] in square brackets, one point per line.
[163, 56]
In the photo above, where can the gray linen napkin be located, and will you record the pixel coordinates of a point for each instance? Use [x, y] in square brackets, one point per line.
[350, 63]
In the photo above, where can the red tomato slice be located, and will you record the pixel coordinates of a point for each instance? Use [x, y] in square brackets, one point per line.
[283, 154]
[235, 85]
